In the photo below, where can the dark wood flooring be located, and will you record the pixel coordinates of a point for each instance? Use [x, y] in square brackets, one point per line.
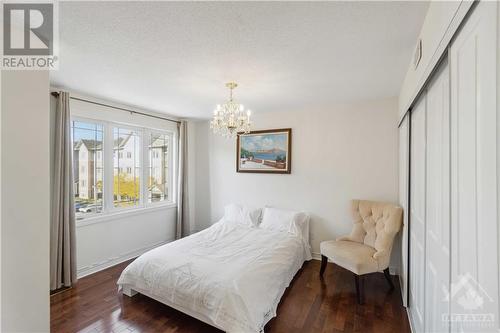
[309, 305]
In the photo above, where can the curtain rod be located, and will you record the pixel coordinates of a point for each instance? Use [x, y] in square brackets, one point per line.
[56, 94]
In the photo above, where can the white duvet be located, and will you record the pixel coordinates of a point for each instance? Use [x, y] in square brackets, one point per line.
[233, 274]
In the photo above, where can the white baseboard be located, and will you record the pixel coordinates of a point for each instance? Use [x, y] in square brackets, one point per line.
[409, 320]
[96, 267]
[403, 300]
[317, 256]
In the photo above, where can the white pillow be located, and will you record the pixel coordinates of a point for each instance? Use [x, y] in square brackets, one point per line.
[287, 221]
[234, 213]
[296, 223]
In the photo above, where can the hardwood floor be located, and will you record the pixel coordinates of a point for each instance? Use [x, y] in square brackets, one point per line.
[309, 305]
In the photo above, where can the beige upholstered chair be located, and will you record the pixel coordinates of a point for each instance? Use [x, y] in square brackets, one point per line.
[368, 248]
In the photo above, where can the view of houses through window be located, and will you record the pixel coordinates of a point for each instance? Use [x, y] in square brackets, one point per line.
[134, 151]
[87, 166]
[127, 167]
[158, 167]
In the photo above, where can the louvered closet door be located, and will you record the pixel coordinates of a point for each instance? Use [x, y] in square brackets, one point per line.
[417, 215]
[437, 207]
[474, 169]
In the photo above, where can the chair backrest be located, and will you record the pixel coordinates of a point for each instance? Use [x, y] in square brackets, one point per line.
[375, 223]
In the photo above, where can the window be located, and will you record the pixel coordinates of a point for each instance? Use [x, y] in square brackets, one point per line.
[158, 177]
[119, 167]
[87, 140]
[127, 185]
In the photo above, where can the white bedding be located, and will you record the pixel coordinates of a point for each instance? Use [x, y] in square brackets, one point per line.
[232, 274]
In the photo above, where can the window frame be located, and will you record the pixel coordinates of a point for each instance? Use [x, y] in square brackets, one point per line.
[97, 122]
[140, 132]
[108, 208]
[171, 188]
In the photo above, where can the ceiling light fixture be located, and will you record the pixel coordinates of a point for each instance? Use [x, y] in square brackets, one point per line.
[230, 117]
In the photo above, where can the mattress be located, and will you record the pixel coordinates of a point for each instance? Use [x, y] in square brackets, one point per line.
[231, 276]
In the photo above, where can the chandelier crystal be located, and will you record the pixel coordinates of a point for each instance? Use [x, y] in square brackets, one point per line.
[230, 118]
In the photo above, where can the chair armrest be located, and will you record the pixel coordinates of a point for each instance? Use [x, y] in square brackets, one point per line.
[380, 254]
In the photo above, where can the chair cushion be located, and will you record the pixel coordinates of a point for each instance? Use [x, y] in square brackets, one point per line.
[375, 224]
[356, 257]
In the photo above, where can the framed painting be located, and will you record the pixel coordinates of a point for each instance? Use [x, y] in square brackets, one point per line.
[268, 151]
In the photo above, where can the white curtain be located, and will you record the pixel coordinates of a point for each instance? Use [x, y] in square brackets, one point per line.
[182, 227]
[62, 232]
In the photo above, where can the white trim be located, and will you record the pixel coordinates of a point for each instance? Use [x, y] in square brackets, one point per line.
[91, 269]
[109, 210]
[108, 169]
[409, 319]
[316, 255]
[400, 277]
[123, 213]
[145, 137]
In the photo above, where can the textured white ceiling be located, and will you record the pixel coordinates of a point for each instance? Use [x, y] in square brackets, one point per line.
[175, 57]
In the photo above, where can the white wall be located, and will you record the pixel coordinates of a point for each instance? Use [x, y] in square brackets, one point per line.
[109, 240]
[121, 237]
[349, 151]
[441, 22]
[25, 201]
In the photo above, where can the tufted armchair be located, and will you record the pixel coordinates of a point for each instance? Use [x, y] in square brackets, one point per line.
[368, 248]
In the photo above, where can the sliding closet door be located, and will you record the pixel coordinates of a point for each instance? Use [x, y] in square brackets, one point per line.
[474, 170]
[403, 202]
[437, 241]
[417, 215]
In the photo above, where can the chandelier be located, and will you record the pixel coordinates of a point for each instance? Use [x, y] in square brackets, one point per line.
[230, 117]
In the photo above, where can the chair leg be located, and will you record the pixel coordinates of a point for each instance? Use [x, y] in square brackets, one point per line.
[324, 261]
[359, 288]
[388, 278]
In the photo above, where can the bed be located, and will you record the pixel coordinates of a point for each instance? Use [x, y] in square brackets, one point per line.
[230, 275]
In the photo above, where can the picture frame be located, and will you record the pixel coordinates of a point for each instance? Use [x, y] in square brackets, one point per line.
[264, 151]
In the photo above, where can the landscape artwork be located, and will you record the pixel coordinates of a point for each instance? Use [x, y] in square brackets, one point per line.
[266, 151]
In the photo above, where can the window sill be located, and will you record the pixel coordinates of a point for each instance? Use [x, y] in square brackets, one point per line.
[123, 214]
